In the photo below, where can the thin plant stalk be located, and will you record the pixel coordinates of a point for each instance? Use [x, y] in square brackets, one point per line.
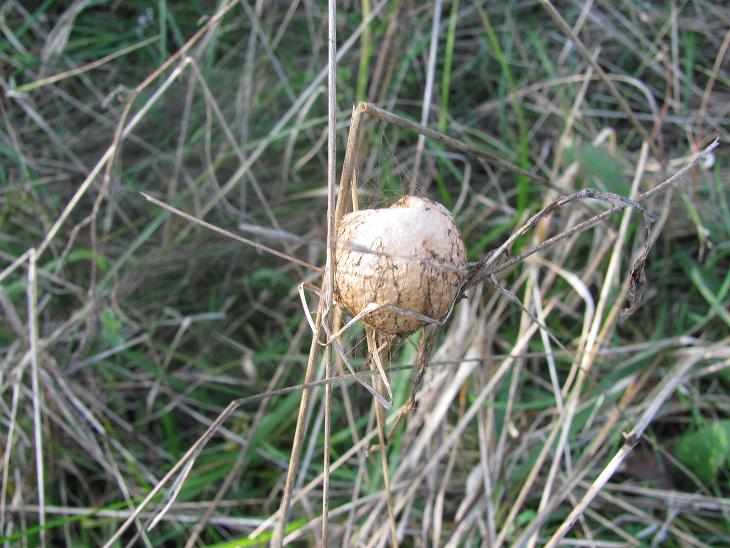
[278, 536]
[35, 386]
[331, 242]
[348, 169]
[427, 93]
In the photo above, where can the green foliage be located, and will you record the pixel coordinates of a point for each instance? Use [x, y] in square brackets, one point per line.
[705, 450]
[260, 540]
[111, 327]
[596, 164]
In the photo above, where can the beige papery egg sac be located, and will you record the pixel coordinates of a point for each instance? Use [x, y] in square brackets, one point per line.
[409, 257]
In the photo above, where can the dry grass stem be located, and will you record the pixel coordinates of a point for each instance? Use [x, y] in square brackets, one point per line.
[662, 392]
[561, 380]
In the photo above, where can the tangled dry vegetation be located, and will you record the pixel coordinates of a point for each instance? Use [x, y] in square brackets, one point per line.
[164, 220]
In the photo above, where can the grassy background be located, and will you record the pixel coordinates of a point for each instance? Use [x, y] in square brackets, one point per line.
[135, 328]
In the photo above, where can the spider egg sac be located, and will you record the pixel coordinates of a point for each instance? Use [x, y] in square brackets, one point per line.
[409, 256]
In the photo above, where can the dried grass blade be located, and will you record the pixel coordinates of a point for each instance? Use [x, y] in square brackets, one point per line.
[663, 391]
[231, 235]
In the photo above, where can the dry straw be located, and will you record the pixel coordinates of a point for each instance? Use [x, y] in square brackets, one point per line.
[396, 270]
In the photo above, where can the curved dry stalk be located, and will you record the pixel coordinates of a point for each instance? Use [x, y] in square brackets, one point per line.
[487, 267]
[333, 339]
[583, 364]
